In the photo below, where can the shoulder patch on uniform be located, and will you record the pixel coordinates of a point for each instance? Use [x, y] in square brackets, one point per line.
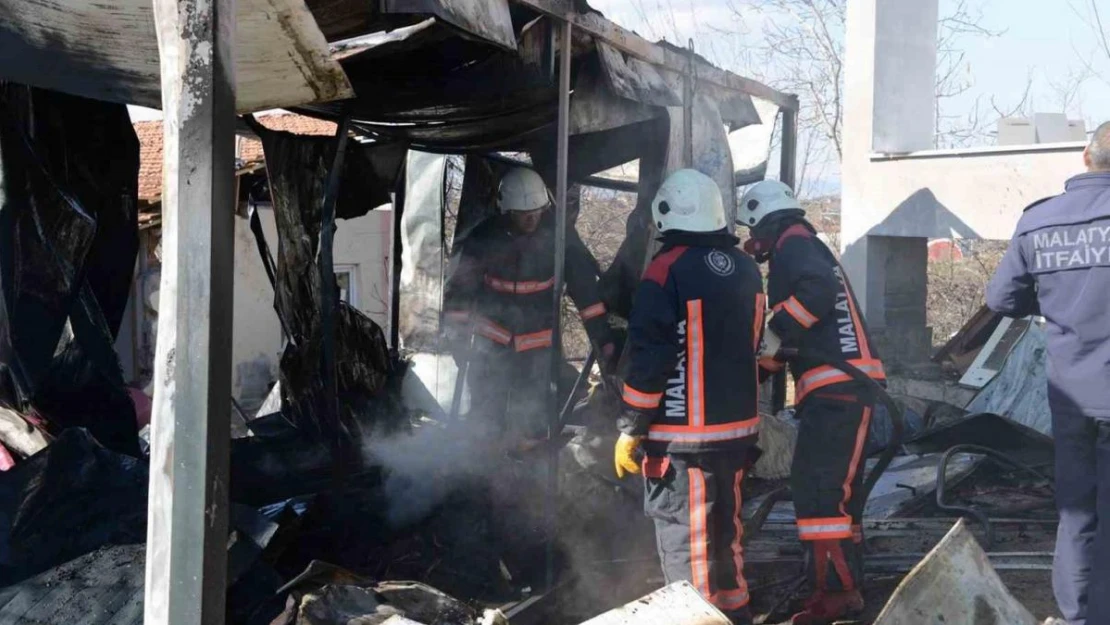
[1039, 202]
[797, 230]
[660, 267]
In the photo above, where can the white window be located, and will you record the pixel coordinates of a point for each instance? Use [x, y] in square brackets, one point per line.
[346, 278]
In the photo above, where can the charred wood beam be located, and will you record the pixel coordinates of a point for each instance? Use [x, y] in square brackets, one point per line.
[186, 567]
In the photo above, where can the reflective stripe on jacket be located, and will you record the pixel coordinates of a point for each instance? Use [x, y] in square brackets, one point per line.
[814, 307]
[691, 382]
[500, 282]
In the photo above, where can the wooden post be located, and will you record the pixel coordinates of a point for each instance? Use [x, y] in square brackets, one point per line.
[186, 565]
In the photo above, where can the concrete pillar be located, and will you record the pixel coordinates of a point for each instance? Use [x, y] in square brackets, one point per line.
[890, 73]
[187, 529]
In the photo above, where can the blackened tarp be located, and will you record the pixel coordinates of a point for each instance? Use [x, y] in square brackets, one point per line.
[297, 168]
[68, 240]
[67, 500]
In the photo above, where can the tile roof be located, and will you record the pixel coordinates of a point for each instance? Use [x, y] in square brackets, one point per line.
[248, 150]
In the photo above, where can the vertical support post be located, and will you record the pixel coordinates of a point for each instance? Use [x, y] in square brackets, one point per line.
[788, 165]
[395, 251]
[324, 259]
[186, 562]
[688, 109]
[562, 155]
[787, 174]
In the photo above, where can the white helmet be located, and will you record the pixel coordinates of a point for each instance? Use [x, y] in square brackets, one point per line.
[688, 200]
[764, 198]
[523, 190]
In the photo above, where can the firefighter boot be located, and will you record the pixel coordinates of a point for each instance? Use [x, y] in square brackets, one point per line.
[830, 601]
[825, 607]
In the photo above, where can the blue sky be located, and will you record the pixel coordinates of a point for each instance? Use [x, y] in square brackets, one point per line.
[1045, 44]
[1045, 40]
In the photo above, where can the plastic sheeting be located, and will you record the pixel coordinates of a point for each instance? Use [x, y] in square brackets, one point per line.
[297, 168]
[68, 240]
[1020, 390]
[73, 497]
[422, 253]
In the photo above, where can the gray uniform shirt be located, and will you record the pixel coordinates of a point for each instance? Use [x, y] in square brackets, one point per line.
[1058, 266]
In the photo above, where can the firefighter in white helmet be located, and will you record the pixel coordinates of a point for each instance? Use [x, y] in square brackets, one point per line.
[691, 389]
[500, 289]
[814, 307]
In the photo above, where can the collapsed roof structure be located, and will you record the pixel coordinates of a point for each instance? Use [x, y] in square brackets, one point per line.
[550, 78]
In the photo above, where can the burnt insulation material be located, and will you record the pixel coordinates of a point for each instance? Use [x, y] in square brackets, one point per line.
[68, 241]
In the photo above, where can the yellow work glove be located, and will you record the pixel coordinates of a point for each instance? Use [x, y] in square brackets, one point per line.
[624, 455]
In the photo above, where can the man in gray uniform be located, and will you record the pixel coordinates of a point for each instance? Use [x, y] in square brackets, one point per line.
[1058, 266]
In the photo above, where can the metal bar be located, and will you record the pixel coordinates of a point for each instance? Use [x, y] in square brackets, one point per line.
[688, 110]
[578, 382]
[789, 165]
[186, 563]
[788, 175]
[554, 428]
[329, 411]
[626, 186]
[395, 250]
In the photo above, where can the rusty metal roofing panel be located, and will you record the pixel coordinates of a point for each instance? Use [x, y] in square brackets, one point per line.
[107, 49]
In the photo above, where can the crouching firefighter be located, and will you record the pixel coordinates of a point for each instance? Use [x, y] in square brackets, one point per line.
[690, 393]
[498, 302]
[814, 311]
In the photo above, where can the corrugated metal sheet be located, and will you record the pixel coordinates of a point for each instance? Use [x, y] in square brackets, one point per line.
[1020, 390]
[107, 49]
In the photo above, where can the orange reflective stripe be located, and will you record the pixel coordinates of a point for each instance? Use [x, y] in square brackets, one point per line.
[828, 528]
[535, 340]
[695, 369]
[757, 322]
[799, 312]
[590, 312]
[704, 434]
[640, 399]
[857, 457]
[699, 540]
[771, 364]
[826, 375]
[518, 288]
[492, 331]
[737, 540]
[730, 599]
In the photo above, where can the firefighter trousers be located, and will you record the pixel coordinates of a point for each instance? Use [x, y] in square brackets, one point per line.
[826, 480]
[694, 500]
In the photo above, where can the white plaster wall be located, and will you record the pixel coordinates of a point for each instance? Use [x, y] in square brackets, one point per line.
[978, 195]
[362, 243]
[256, 333]
[889, 75]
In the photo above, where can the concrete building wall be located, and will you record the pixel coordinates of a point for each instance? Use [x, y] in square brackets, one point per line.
[361, 248]
[897, 192]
